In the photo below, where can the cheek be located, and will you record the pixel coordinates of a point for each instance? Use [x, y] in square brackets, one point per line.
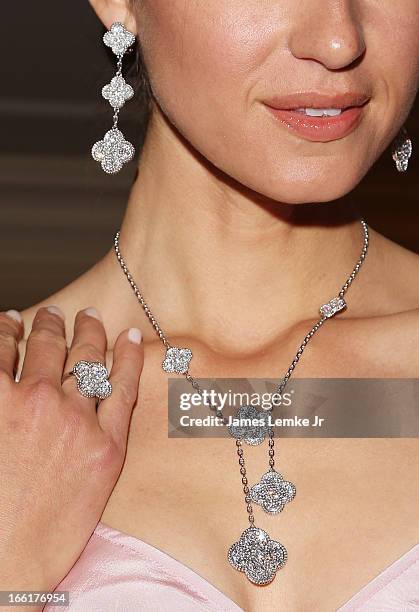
[400, 64]
[392, 61]
[204, 48]
[210, 62]
[203, 58]
[204, 61]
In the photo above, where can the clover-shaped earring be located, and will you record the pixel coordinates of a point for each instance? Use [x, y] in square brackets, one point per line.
[113, 151]
[402, 150]
[92, 379]
[117, 92]
[272, 492]
[250, 433]
[118, 38]
[177, 360]
[257, 555]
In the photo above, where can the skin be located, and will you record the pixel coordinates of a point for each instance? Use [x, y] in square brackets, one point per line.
[231, 212]
[69, 455]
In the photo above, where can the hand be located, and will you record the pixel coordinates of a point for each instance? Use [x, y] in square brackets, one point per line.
[59, 457]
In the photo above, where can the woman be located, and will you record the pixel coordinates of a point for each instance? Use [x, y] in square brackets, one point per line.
[234, 233]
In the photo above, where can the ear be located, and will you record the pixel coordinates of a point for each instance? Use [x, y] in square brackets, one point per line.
[110, 11]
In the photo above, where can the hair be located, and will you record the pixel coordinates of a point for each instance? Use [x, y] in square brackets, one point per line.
[137, 70]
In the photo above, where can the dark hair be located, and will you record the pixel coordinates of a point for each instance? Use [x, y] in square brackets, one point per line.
[137, 71]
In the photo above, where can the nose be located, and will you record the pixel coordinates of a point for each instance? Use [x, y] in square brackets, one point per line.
[329, 32]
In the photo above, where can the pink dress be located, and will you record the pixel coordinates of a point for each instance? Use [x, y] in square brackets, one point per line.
[117, 572]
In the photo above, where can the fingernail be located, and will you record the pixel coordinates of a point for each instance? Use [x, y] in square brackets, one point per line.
[14, 314]
[134, 335]
[92, 312]
[56, 310]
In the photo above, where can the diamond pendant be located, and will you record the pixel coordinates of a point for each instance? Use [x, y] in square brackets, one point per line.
[402, 151]
[118, 38]
[177, 360]
[257, 556]
[113, 151]
[117, 92]
[272, 492]
[332, 307]
[253, 434]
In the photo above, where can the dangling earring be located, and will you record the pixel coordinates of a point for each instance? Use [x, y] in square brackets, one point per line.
[114, 151]
[402, 150]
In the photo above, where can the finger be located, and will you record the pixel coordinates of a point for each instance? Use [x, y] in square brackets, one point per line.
[88, 344]
[11, 331]
[114, 412]
[46, 347]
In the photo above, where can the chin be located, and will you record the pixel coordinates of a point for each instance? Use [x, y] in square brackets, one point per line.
[307, 183]
[303, 193]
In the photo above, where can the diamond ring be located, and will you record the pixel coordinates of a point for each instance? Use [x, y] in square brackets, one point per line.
[92, 379]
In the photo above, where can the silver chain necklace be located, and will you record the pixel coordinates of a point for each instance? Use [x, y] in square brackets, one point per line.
[255, 553]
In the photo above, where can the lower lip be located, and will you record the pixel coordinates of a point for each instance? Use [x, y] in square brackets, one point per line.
[320, 129]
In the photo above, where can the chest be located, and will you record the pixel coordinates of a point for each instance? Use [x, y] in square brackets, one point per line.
[354, 513]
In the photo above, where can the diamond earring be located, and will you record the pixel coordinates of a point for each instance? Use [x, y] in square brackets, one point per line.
[114, 151]
[402, 150]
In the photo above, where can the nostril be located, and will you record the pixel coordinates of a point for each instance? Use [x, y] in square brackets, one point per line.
[334, 40]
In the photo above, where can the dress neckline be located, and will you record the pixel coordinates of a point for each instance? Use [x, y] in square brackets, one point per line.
[170, 563]
[368, 590]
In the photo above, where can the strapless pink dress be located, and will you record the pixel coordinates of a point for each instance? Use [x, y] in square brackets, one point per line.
[117, 572]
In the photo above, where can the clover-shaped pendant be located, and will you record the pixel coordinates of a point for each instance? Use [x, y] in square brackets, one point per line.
[118, 38]
[272, 492]
[257, 556]
[244, 429]
[177, 360]
[117, 92]
[92, 379]
[113, 151]
[332, 307]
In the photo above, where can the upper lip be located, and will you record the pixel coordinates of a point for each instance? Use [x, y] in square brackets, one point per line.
[313, 99]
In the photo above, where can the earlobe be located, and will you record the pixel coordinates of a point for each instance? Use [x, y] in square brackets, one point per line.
[109, 11]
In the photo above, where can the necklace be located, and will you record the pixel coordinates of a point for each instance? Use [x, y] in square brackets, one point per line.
[255, 553]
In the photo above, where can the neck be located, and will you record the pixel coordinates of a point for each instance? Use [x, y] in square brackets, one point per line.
[216, 259]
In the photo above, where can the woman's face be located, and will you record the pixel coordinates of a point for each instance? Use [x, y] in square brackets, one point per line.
[217, 66]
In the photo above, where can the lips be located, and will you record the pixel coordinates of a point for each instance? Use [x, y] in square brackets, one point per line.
[319, 129]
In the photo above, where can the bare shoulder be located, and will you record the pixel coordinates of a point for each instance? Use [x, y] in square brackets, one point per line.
[379, 332]
[78, 294]
[399, 278]
[396, 274]
[81, 293]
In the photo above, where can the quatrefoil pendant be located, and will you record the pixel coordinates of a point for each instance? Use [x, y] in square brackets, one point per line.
[272, 492]
[257, 555]
[118, 38]
[113, 151]
[177, 360]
